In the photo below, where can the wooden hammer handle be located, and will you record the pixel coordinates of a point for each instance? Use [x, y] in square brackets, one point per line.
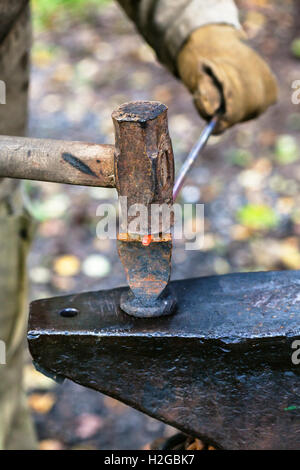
[58, 161]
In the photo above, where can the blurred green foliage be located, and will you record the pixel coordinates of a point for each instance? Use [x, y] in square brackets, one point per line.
[46, 13]
[286, 149]
[257, 217]
[296, 48]
[240, 157]
[54, 206]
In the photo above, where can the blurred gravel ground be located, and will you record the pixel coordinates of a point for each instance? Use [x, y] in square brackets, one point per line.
[248, 180]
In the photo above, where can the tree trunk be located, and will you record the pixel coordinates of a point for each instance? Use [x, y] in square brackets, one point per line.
[15, 228]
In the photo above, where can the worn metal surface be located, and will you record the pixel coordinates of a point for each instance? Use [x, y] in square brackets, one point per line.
[144, 172]
[144, 161]
[220, 367]
[147, 267]
[58, 161]
[147, 271]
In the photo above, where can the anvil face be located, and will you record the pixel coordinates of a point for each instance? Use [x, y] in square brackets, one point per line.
[221, 367]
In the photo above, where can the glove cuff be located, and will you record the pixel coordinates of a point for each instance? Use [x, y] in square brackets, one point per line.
[196, 14]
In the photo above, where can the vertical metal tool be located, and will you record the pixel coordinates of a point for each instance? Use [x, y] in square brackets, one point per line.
[193, 155]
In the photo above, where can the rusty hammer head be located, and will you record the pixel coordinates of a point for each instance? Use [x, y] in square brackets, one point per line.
[144, 175]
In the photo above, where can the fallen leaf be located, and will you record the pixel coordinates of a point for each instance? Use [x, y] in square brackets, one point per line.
[289, 253]
[34, 380]
[63, 73]
[240, 232]
[67, 265]
[147, 447]
[50, 444]
[41, 403]
[196, 445]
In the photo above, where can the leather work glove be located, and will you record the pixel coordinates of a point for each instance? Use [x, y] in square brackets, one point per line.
[223, 73]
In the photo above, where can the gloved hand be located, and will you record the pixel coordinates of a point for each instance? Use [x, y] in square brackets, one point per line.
[222, 72]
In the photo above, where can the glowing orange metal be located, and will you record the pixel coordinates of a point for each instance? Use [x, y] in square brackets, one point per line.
[147, 240]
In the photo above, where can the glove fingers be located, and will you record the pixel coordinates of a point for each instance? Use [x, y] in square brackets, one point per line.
[237, 91]
[224, 74]
[207, 96]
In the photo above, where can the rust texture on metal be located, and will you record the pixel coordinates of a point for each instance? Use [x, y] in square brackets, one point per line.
[144, 161]
[57, 161]
[147, 267]
[144, 172]
[221, 368]
[148, 270]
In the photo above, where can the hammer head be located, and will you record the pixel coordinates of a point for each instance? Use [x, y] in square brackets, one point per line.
[144, 174]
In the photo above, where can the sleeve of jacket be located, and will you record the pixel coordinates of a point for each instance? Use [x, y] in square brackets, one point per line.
[166, 24]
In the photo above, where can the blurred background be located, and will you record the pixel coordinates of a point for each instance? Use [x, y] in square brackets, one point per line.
[87, 59]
